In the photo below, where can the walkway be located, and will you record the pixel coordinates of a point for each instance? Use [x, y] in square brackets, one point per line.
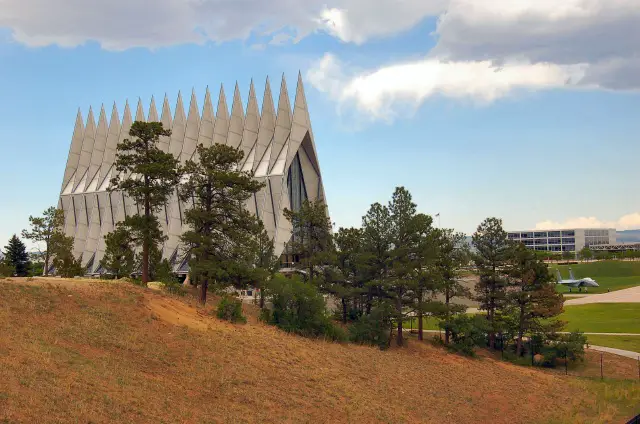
[619, 352]
[631, 295]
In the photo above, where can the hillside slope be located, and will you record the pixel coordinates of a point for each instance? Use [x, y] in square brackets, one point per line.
[111, 352]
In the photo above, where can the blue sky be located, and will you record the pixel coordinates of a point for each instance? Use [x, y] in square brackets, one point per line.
[532, 122]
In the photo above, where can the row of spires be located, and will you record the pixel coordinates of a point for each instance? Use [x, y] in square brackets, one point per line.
[222, 110]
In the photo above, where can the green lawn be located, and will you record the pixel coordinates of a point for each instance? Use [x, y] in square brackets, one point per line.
[631, 343]
[606, 284]
[610, 275]
[603, 318]
[429, 323]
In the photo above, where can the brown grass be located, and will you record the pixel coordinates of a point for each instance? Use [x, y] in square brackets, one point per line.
[81, 351]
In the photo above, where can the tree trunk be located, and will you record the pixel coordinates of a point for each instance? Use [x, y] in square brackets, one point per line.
[492, 334]
[369, 300]
[344, 310]
[520, 331]
[261, 298]
[399, 310]
[420, 314]
[46, 262]
[203, 290]
[146, 241]
[447, 331]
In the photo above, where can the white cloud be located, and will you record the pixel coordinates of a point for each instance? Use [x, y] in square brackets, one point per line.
[379, 92]
[356, 21]
[598, 36]
[626, 222]
[568, 31]
[122, 24]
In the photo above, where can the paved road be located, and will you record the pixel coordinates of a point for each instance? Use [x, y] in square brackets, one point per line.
[631, 295]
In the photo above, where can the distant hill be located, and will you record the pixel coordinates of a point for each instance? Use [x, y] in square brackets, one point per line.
[629, 236]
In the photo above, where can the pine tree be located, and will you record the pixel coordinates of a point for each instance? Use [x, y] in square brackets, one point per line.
[43, 229]
[312, 238]
[376, 256]
[532, 295]
[494, 252]
[265, 263]
[453, 254]
[346, 283]
[119, 257]
[149, 176]
[222, 234]
[425, 276]
[16, 256]
[406, 259]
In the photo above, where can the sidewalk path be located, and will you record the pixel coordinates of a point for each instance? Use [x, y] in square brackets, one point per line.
[619, 352]
[631, 295]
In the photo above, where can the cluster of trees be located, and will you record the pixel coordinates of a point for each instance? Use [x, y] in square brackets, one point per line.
[53, 249]
[225, 244]
[588, 254]
[398, 267]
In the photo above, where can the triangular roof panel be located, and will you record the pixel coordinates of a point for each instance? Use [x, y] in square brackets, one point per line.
[191, 130]
[221, 129]
[283, 123]
[267, 123]
[74, 150]
[208, 121]
[236, 126]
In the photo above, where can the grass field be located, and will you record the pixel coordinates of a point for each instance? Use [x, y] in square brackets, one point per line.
[610, 275]
[74, 351]
[428, 323]
[631, 343]
[603, 318]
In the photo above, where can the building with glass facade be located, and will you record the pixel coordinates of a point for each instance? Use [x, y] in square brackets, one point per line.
[278, 146]
[567, 240]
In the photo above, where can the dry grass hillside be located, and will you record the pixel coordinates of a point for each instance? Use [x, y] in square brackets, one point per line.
[81, 351]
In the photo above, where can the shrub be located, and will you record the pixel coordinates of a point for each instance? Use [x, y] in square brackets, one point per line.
[373, 329]
[174, 287]
[561, 346]
[230, 309]
[299, 308]
[164, 274]
[467, 332]
[265, 316]
[6, 270]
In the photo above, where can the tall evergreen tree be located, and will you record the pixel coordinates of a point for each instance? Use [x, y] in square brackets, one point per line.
[148, 175]
[264, 261]
[377, 235]
[312, 237]
[532, 295]
[426, 276]
[406, 260]
[16, 256]
[346, 286]
[453, 255]
[222, 232]
[43, 230]
[494, 252]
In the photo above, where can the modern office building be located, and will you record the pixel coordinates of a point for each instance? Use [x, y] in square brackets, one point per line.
[566, 240]
[278, 144]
